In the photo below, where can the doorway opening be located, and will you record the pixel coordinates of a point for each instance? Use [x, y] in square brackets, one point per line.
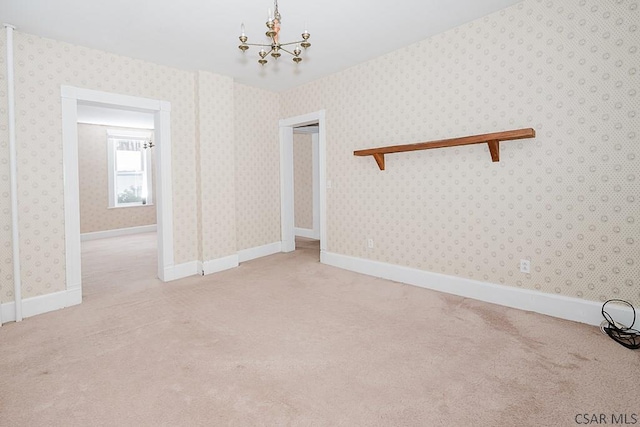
[118, 219]
[311, 225]
[306, 194]
[72, 97]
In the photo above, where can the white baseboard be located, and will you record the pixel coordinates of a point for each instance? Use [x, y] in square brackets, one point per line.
[118, 232]
[213, 266]
[232, 261]
[309, 233]
[180, 271]
[259, 251]
[575, 309]
[41, 304]
[218, 264]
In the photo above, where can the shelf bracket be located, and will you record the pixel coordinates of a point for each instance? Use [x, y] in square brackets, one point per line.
[494, 149]
[379, 160]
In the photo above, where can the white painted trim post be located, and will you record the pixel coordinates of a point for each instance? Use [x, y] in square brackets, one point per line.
[315, 170]
[164, 189]
[286, 177]
[71, 193]
[111, 175]
[322, 178]
[287, 208]
[13, 161]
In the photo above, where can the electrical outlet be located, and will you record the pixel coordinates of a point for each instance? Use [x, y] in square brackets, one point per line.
[370, 243]
[525, 266]
[328, 183]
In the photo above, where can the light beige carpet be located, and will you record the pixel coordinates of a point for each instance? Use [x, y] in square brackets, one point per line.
[284, 340]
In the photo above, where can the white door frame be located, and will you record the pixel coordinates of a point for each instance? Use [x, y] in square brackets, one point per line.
[287, 226]
[161, 111]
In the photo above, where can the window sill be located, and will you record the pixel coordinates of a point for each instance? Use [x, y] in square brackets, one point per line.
[130, 206]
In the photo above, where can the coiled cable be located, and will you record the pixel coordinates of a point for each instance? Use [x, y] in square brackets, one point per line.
[623, 335]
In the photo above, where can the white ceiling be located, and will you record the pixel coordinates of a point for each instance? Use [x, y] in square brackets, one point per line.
[203, 34]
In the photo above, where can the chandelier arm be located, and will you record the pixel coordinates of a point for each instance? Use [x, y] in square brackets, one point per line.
[290, 43]
[290, 53]
[258, 44]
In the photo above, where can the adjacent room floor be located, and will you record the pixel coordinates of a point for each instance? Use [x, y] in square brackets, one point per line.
[119, 264]
[285, 340]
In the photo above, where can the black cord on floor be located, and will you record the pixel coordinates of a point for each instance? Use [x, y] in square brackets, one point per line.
[623, 335]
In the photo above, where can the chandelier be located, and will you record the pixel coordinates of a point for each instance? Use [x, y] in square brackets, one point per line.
[273, 32]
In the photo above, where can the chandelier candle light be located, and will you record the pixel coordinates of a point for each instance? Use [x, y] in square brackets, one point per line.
[273, 32]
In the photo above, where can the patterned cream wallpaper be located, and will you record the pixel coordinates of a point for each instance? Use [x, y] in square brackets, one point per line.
[216, 159]
[568, 200]
[6, 248]
[208, 189]
[95, 214]
[257, 158]
[42, 65]
[303, 180]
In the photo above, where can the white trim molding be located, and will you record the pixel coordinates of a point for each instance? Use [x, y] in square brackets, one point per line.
[141, 134]
[13, 183]
[287, 208]
[306, 232]
[105, 234]
[106, 99]
[563, 307]
[259, 251]
[163, 187]
[42, 304]
[218, 264]
[180, 271]
[315, 186]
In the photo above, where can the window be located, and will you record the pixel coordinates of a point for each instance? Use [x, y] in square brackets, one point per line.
[129, 166]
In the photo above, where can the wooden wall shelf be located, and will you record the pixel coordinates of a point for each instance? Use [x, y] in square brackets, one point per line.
[491, 139]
